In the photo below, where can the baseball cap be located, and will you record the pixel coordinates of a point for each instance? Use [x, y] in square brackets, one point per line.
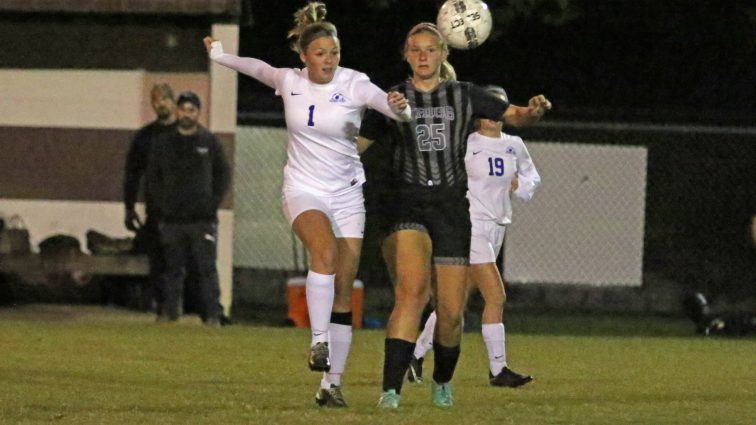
[191, 97]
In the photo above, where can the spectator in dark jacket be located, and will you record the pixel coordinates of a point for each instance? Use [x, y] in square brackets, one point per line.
[188, 175]
[148, 240]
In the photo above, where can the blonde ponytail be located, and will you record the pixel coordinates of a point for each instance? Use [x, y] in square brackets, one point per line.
[310, 24]
[448, 72]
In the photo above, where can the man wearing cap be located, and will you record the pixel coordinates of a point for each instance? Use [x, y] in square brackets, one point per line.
[147, 240]
[188, 173]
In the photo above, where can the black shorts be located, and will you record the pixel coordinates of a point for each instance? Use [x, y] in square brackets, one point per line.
[444, 213]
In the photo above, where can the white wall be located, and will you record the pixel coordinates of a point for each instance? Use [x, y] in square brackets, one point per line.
[586, 222]
[71, 98]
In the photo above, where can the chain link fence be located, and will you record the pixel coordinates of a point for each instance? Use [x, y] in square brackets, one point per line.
[262, 237]
[619, 202]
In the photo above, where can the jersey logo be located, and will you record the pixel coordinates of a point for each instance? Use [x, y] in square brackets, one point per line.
[475, 153]
[510, 150]
[295, 94]
[337, 98]
[202, 151]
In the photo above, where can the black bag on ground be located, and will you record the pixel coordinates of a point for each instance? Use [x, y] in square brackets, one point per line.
[14, 237]
[59, 245]
[101, 244]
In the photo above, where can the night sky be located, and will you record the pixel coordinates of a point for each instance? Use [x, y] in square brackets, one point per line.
[671, 61]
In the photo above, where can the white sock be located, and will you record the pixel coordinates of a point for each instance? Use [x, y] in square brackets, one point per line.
[425, 340]
[493, 336]
[341, 340]
[320, 293]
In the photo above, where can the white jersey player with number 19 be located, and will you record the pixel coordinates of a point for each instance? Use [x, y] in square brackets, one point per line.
[492, 163]
[323, 177]
[498, 165]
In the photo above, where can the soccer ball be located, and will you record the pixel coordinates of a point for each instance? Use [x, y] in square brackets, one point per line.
[465, 24]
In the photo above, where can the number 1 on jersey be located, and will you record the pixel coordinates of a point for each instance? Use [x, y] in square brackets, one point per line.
[310, 122]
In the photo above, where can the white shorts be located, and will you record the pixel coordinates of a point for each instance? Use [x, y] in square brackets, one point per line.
[486, 240]
[345, 210]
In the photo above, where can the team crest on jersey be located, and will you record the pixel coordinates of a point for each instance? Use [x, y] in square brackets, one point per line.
[510, 150]
[337, 98]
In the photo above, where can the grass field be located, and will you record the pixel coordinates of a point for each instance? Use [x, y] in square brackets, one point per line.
[89, 365]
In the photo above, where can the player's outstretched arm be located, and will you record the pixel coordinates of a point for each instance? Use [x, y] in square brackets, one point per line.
[519, 116]
[255, 68]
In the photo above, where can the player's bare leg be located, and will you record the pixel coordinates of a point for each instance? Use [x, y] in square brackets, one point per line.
[340, 327]
[314, 230]
[487, 279]
[411, 276]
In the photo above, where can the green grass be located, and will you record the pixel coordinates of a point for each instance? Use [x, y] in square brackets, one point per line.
[87, 365]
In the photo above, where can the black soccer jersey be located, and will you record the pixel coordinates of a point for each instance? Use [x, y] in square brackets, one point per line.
[430, 149]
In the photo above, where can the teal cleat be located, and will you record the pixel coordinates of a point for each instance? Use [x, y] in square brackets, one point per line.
[442, 394]
[389, 400]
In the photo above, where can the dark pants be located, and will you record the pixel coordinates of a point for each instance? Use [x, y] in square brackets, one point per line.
[148, 242]
[190, 246]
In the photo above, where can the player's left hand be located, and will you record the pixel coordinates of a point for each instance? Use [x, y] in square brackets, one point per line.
[538, 105]
[214, 47]
[397, 101]
[208, 41]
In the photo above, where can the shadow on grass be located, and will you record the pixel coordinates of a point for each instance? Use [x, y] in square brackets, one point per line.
[538, 323]
[598, 324]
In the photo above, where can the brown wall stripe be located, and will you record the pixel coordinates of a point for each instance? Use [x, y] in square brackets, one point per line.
[70, 164]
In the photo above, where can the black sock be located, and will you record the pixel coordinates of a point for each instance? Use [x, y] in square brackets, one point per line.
[444, 362]
[397, 356]
[342, 318]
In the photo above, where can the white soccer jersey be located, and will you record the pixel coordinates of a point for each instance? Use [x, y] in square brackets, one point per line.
[491, 164]
[322, 121]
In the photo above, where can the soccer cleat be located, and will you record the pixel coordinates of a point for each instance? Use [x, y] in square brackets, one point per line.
[415, 371]
[442, 394]
[389, 400]
[330, 397]
[716, 325]
[318, 360]
[508, 378]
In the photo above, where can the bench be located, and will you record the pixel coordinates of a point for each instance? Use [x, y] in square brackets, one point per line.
[123, 265]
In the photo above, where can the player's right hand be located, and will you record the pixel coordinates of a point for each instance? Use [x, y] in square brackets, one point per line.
[397, 101]
[132, 220]
[538, 105]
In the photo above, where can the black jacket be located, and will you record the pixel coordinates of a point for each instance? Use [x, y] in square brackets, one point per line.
[188, 176]
[136, 163]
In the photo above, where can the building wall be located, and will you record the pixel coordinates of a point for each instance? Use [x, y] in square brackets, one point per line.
[66, 120]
